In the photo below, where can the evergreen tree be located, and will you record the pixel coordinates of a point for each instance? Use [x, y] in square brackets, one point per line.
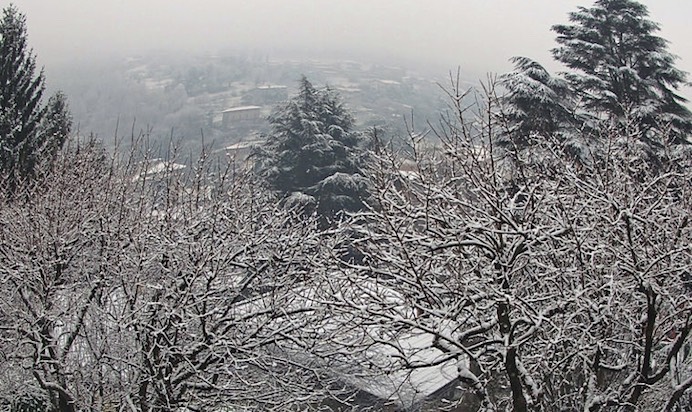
[536, 102]
[313, 155]
[30, 133]
[621, 78]
[622, 72]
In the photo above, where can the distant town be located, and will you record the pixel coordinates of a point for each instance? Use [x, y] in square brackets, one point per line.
[228, 98]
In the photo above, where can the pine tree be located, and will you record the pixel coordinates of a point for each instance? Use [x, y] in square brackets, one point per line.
[623, 72]
[30, 133]
[313, 154]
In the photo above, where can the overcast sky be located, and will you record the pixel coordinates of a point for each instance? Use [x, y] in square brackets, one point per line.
[477, 35]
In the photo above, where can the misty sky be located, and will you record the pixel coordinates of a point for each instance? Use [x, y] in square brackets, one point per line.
[478, 35]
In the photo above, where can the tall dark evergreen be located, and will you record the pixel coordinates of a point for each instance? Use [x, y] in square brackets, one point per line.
[30, 132]
[313, 155]
[622, 71]
[621, 76]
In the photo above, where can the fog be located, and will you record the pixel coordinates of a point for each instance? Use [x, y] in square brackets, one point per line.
[477, 35]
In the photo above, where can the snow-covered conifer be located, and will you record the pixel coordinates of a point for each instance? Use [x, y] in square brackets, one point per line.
[536, 102]
[621, 77]
[313, 150]
[30, 132]
[621, 70]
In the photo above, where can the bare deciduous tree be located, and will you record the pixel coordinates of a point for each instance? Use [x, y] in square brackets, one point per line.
[553, 283]
[149, 285]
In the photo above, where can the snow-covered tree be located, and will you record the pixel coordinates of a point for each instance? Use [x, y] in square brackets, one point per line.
[149, 285]
[29, 131]
[550, 284]
[620, 75]
[622, 70]
[313, 154]
[536, 103]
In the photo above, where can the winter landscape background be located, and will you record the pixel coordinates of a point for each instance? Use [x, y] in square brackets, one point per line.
[308, 205]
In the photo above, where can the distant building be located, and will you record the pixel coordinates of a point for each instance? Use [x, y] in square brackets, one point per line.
[266, 95]
[242, 150]
[387, 85]
[388, 71]
[156, 174]
[158, 169]
[235, 115]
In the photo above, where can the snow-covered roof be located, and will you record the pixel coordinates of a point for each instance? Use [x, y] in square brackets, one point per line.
[272, 87]
[392, 380]
[244, 145]
[409, 386]
[157, 166]
[241, 108]
[389, 82]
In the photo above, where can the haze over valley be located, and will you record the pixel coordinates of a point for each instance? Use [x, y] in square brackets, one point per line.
[81, 42]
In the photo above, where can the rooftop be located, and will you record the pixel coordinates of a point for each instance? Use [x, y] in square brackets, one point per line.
[241, 108]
